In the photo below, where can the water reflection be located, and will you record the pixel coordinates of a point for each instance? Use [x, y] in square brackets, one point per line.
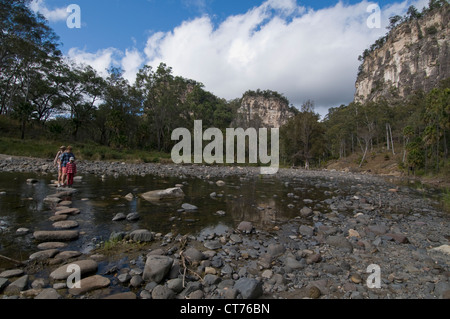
[264, 202]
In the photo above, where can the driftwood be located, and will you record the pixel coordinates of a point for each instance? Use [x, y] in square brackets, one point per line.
[19, 263]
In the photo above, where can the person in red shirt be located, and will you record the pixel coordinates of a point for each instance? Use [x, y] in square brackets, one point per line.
[71, 169]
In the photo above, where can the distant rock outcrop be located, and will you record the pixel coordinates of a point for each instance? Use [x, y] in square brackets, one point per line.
[414, 56]
[263, 109]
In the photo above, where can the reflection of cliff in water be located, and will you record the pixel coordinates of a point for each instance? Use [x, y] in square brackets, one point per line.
[259, 202]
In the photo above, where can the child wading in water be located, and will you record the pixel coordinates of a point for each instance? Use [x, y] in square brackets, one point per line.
[57, 162]
[71, 169]
[65, 159]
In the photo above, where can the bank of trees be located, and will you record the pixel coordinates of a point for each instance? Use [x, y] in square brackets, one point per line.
[42, 93]
[417, 127]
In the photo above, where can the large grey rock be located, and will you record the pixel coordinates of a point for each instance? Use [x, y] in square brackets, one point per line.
[86, 267]
[17, 286]
[157, 267]
[66, 235]
[213, 244]
[175, 193]
[162, 292]
[12, 273]
[193, 255]
[245, 227]
[3, 283]
[141, 235]
[249, 288]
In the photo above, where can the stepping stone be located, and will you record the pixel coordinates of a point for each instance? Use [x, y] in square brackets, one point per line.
[50, 294]
[58, 218]
[68, 255]
[51, 245]
[66, 235]
[65, 203]
[68, 211]
[11, 273]
[122, 296]
[118, 217]
[45, 254]
[67, 224]
[60, 208]
[89, 284]
[86, 267]
[52, 200]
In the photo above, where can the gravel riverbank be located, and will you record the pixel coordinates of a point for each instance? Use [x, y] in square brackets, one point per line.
[325, 252]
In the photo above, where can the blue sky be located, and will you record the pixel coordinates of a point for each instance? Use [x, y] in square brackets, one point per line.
[302, 49]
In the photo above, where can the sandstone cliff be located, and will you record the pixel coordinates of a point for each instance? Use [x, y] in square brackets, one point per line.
[415, 55]
[263, 110]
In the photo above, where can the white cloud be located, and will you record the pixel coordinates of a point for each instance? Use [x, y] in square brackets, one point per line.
[280, 45]
[101, 61]
[55, 15]
[131, 63]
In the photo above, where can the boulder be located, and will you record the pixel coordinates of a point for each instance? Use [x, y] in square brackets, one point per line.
[175, 193]
[17, 286]
[157, 267]
[306, 212]
[249, 288]
[245, 227]
[141, 235]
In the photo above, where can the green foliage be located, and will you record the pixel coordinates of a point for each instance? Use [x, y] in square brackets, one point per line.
[302, 138]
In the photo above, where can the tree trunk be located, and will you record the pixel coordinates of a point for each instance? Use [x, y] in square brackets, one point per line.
[392, 140]
[387, 137]
[364, 156]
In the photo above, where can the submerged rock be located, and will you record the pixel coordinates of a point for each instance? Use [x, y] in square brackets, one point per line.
[175, 193]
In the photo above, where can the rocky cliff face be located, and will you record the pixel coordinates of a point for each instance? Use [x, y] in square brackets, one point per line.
[415, 56]
[263, 111]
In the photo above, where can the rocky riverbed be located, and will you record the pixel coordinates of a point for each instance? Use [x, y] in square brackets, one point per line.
[324, 252]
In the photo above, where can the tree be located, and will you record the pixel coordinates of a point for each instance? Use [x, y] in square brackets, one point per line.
[162, 104]
[28, 51]
[302, 136]
[116, 117]
[82, 88]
